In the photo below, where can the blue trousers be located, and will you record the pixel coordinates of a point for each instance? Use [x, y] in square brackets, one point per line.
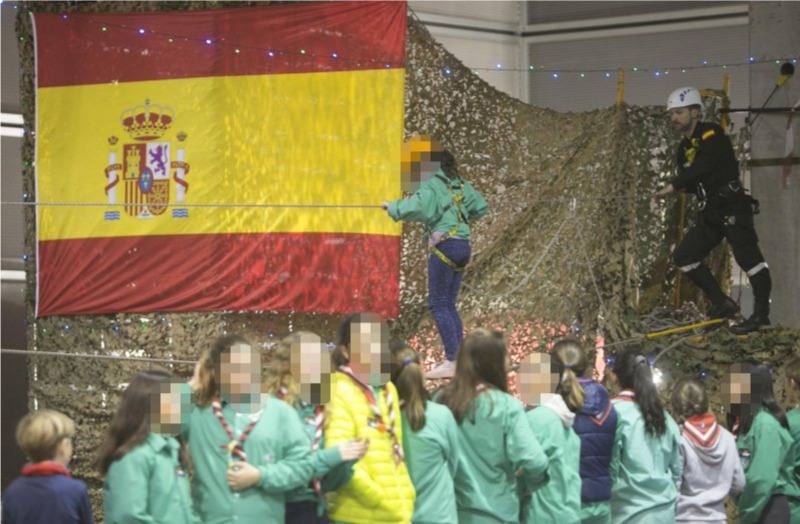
[443, 286]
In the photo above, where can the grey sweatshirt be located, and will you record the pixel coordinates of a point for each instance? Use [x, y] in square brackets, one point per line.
[711, 470]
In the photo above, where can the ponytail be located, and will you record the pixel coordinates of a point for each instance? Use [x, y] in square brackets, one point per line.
[407, 378]
[633, 372]
[569, 361]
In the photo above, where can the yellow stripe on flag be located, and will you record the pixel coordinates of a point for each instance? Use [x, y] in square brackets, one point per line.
[320, 138]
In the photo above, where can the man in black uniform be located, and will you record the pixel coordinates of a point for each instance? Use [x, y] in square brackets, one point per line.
[708, 168]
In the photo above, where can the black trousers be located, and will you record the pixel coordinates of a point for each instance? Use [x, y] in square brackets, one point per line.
[777, 511]
[303, 513]
[708, 231]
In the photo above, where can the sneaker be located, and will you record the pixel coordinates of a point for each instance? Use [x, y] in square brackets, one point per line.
[725, 309]
[754, 323]
[444, 370]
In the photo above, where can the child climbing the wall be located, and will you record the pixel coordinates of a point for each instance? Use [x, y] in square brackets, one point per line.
[766, 447]
[711, 466]
[548, 383]
[364, 406]
[300, 375]
[498, 446]
[446, 205]
[430, 442]
[646, 465]
[46, 492]
[145, 467]
[249, 448]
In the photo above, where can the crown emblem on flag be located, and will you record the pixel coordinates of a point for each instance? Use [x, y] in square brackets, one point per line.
[147, 121]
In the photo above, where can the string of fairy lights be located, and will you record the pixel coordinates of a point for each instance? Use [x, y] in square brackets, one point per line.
[330, 56]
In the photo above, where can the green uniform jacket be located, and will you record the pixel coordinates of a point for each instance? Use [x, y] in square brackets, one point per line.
[434, 205]
[646, 469]
[147, 485]
[496, 443]
[793, 417]
[558, 500]
[277, 446]
[767, 454]
[433, 459]
[328, 464]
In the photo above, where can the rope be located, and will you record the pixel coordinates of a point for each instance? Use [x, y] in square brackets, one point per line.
[257, 205]
[88, 355]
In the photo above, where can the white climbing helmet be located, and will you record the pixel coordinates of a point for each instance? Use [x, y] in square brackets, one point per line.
[683, 97]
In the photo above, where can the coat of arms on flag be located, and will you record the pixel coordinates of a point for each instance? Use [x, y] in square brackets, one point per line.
[144, 167]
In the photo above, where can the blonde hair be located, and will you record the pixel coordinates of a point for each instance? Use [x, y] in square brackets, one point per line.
[40, 433]
[793, 370]
[279, 373]
[569, 358]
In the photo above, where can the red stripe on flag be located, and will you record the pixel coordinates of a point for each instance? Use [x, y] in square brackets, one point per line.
[93, 48]
[324, 273]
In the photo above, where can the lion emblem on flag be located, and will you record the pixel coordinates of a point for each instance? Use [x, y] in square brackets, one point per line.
[142, 171]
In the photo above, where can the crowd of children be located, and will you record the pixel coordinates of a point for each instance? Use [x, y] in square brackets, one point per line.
[352, 435]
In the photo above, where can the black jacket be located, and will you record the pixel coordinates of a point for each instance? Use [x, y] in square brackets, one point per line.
[707, 164]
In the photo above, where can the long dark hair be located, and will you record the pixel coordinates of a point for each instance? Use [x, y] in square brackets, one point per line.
[340, 356]
[447, 162]
[407, 378]
[633, 373]
[131, 423]
[210, 364]
[482, 359]
[762, 396]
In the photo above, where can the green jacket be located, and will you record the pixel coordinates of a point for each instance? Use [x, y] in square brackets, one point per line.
[433, 459]
[147, 485]
[767, 454]
[557, 501]
[442, 204]
[646, 469]
[277, 446]
[497, 443]
[328, 464]
[793, 416]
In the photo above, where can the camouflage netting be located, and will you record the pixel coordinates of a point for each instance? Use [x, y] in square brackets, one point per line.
[571, 242]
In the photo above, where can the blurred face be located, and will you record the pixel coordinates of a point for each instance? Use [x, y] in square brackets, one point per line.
[369, 352]
[169, 403]
[240, 374]
[311, 368]
[418, 167]
[736, 387]
[682, 119]
[536, 378]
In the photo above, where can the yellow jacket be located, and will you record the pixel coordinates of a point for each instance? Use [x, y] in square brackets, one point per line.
[380, 490]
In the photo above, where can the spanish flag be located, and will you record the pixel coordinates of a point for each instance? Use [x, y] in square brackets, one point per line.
[225, 159]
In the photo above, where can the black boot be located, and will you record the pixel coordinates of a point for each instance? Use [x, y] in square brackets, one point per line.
[759, 318]
[761, 283]
[726, 308]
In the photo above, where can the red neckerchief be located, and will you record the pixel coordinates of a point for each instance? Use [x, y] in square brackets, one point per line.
[599, 421]
[377, 420]
[45, 468]
[628, 395]
[319, 423]
[234, 447]
[702, 430]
